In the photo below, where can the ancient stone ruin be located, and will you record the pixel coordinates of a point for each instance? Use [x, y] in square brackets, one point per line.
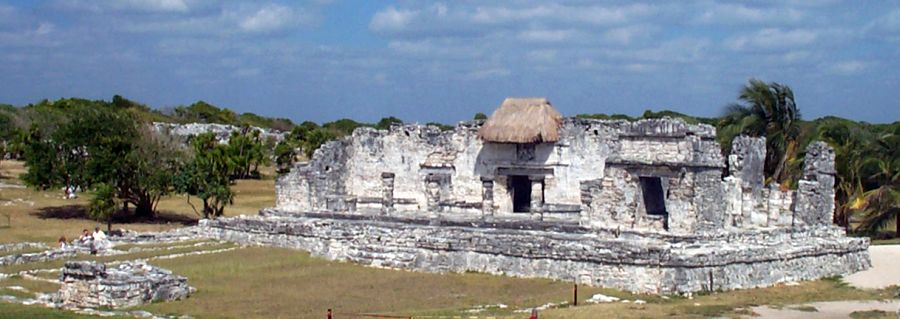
[88, 284]
[647, 206]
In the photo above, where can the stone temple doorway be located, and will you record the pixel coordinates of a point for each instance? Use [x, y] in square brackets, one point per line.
[520, 187]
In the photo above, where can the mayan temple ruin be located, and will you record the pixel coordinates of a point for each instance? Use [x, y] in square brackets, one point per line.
[649, 206]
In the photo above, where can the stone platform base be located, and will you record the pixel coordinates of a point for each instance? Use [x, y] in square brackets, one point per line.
[91, 284]
[639, 262]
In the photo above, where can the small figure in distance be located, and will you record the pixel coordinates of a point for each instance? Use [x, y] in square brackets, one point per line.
[62, 242]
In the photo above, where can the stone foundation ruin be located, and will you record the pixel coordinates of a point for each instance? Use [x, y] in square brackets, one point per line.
[88, 284]
[648, 206]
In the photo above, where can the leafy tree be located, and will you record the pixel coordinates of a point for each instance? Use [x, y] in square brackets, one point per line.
[881, 204]
[386, 122]
[342, 127]
[205, 113]
[207, 176]
[246, 151]
[103, 204]
[285, 152]
[480, 116]
[766, 109]
[315, 139]
[147, 173]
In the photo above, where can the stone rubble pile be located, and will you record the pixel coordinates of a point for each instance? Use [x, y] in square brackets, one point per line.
[89, 284]
[222, 131]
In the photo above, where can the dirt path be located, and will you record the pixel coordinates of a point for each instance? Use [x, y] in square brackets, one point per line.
[827, 310]
[884, 272]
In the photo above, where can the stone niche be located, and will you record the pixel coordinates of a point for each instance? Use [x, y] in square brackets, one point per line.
[88, 284]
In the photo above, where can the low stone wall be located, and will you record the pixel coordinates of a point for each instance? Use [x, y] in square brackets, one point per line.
[47, 255]
[90, 284]
[634, 261]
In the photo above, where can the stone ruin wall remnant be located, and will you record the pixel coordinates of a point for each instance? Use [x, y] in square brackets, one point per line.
[646, 206]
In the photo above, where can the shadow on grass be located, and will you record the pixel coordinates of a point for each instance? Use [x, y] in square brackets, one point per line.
[120, 216]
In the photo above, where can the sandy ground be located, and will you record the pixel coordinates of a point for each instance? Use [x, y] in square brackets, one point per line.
[828, 310]
[884, 272]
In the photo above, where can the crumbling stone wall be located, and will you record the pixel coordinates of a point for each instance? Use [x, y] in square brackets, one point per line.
[417, 198]
[445, 173]
[637, 261]
[815, 191]
[89, 284]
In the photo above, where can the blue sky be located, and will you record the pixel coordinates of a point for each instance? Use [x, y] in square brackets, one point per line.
[424, 61]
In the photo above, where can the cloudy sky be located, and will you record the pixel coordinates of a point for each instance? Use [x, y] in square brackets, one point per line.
[424, 61]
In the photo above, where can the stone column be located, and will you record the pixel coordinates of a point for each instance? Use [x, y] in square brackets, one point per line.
[487, 196]
[387, 195]
[537, 193]
[432, 193]
[814, 205]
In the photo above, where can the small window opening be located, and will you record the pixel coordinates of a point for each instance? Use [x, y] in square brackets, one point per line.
[520, 187]
[654, 198]
[596, 132]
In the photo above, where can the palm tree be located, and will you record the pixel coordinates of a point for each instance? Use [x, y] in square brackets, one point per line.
[849, 144]
[767, 109]
[882, 204]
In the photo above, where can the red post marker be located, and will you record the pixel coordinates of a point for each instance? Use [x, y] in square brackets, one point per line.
[329, 313]
[575, 300]
[534, 314]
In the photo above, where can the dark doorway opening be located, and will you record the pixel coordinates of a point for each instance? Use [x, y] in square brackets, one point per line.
[521, 193]
[654, 198]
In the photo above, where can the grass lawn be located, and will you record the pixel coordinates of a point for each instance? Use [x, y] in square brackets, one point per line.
[44, 216]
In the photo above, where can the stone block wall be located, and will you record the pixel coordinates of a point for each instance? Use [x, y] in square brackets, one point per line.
[445, 172]
[636, 261]
[88, 284]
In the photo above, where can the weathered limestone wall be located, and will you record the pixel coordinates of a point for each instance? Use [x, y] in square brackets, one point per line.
[815, 191]
[634, 261]
[445, 173]
[90, 284]
[646, 206]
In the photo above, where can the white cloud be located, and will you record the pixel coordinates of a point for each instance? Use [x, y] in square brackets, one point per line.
[727, 13]
[542, 56]
[627, 35]
[544, 35]
[172, 6]
[271, 17]
[887, 24]
[156, 5]
[596, 15]
[482, 74]
[392, 20]
[771, 38]
[849, 67]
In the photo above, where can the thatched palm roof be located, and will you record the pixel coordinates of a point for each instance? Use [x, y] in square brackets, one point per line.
[522, 120]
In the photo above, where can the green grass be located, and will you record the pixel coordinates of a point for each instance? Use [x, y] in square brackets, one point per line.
[10, 310]
[127, 247]
[258, 282]
[27, 250]
[10, 269]
[873, 314]
[44, 216]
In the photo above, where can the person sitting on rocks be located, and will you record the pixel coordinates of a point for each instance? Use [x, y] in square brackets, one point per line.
[62, 242]
[85, 237]
[99, 238]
